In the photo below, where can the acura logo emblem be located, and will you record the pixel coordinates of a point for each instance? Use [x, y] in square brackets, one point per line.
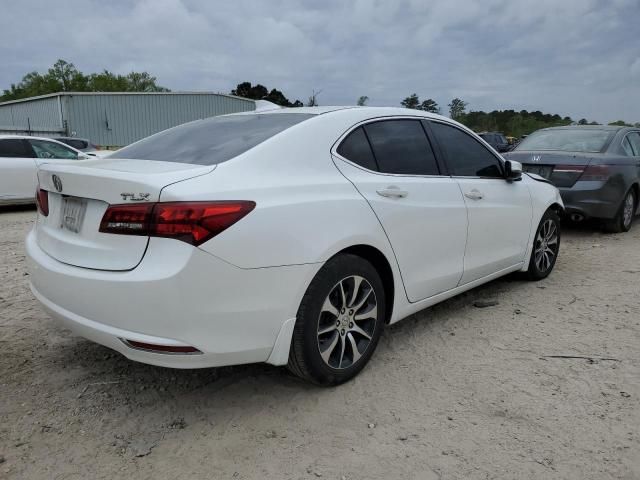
[536, 158]
[57, 182]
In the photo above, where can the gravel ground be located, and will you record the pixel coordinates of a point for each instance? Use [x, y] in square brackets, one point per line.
[455, 391]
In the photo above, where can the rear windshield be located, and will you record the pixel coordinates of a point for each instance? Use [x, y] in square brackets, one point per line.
[212, 140]
[567, 140]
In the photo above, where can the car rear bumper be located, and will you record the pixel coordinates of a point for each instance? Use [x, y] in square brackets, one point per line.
[178, 296]
[592, 199]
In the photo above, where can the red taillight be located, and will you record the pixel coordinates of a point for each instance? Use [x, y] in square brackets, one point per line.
[191, 222]
[596, 172]
[569, 168]
[42, 201]
[127, 219]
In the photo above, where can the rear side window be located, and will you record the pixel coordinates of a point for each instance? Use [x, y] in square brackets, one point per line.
[79, 144]
[44, 149]
[402, 147]
[634, 140]
[15, 148]
[357, 149]
[626, 146]
[466, 157]
[212, 140]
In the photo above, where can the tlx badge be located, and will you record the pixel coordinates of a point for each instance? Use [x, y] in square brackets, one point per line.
[135, 197]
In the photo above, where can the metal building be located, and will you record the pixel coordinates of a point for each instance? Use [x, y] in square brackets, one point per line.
[112, 119]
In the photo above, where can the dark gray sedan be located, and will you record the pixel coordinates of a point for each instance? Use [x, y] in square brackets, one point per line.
[596, 169]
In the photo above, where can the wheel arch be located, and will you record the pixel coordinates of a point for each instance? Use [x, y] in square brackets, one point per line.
[382, 266]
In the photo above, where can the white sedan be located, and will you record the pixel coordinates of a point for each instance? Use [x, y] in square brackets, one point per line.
[290, 237]
[19, 158]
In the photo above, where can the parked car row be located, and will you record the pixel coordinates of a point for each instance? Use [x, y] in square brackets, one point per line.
[20, 156]
[290, 236]
[596, 169]
[294, 236]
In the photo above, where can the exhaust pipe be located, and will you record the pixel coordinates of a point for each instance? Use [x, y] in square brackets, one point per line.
[577, 217]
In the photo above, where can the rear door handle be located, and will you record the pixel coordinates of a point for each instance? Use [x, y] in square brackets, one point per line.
[392, 192]
[474, 195]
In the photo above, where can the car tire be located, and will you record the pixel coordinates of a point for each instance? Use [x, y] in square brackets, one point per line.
[339, 322]
[624, 218]
[546, 245]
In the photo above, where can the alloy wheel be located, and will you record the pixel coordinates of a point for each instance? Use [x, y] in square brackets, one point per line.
[627, 212]
[546, 246]
[347, 322]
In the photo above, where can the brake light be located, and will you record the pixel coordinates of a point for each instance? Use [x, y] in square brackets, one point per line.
[569, 168]
[127, 219]
[191, 222]
[596, 172]
[42, 201]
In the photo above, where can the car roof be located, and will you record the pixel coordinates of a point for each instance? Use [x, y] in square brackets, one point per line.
[612, 128]
[72, 138]
[370, 111]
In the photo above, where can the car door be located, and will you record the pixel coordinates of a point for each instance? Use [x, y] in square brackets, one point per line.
[392, 164]
[17, 170]
[499, 211]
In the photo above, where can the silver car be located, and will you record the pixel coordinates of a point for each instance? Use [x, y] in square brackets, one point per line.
[596, 168]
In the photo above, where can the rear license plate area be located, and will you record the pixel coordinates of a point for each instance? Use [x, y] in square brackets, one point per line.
[73, 210]
[542, 170]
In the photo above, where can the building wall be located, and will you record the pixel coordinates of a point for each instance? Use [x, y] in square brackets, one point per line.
[40, 117]
[113, 119]
[117, 120]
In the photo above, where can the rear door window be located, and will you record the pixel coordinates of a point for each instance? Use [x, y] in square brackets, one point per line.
[466, 156]
[357, 149]
[634, 140]
[15, 148]
[212, 140]
[402, 147]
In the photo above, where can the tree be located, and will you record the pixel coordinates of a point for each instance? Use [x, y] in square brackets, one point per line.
[362, 101]
[412, 101]
[457, 108]
[65, 77]
[583, 121]
[621, 123]
[429, 105]
[313, 99]
[260, 92]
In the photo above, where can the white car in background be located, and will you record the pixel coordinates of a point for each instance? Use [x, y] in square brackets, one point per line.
[19, 158]
[290, 237]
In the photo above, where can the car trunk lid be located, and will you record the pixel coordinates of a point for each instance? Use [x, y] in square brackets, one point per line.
[563, 169]
[80, 193]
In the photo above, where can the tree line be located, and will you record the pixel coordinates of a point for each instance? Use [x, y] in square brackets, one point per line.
[510, 122]
[65, 77]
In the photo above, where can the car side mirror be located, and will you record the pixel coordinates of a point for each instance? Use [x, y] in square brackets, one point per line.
[513, 170]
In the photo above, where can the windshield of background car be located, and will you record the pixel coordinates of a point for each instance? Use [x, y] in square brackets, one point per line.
[212, 140]
[567, 140]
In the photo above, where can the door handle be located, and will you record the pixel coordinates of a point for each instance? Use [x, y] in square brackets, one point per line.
[392, 192]
[474, 195]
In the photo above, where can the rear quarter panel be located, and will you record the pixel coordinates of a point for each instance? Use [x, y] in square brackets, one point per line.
[306, 210]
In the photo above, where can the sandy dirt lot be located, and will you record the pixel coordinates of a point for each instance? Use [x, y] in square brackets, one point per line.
[453, 392]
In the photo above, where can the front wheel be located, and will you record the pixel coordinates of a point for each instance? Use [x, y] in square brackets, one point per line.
[339, 322]
[546, 245]
[624, 218]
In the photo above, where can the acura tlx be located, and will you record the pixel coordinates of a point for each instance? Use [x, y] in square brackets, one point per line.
[288, 236]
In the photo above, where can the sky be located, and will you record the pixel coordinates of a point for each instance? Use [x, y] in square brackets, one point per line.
[579, 58]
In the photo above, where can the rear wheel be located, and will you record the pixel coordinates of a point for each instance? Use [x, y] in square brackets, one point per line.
[339, 322]
[624, 218]
[546, 245]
